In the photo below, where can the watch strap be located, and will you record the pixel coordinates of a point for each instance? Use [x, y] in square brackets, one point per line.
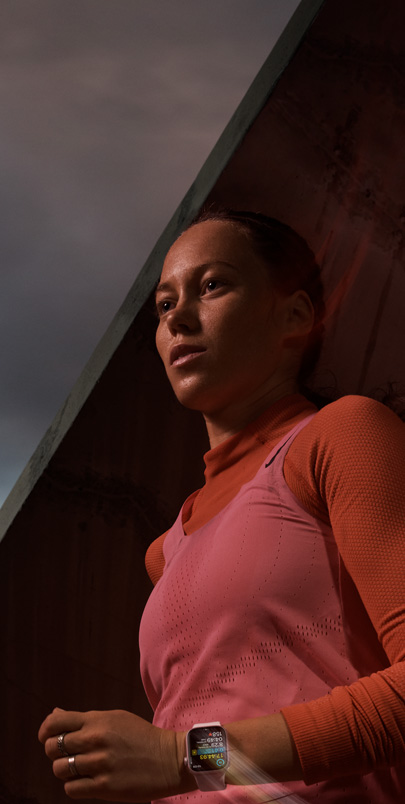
[211, 780]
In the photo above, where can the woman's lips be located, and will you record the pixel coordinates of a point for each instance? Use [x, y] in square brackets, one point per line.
[183, 353]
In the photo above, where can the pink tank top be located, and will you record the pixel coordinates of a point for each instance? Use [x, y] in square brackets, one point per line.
[249, 616]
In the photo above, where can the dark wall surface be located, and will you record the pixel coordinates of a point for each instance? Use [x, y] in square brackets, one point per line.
[326, 156]
[73, 582]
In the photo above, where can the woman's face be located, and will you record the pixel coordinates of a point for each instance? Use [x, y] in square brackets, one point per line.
[221, 324]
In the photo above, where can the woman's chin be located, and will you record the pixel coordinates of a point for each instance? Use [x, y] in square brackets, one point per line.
[203, 400]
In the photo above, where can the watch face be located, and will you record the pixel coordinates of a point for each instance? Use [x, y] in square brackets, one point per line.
[207, 749]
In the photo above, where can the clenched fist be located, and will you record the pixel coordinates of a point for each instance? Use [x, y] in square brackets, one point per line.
[114, 756]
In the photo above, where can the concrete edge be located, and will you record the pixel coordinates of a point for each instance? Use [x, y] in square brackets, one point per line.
[232, 136]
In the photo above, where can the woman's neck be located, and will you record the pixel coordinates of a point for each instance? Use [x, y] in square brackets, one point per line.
[225, 423]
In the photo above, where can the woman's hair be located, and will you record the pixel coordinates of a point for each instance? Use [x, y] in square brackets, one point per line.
[292, 266]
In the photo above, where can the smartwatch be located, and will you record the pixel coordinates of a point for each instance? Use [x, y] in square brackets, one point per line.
[207, 755]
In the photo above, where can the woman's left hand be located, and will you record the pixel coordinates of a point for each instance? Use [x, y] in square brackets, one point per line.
[114, 756]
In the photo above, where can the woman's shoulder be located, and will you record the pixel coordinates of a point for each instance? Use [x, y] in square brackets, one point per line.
[353, 415]
[343, 444]
[354, 404]
[348, 429]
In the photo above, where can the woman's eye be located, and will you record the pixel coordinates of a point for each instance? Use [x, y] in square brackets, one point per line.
[164, 307]
[212, 284]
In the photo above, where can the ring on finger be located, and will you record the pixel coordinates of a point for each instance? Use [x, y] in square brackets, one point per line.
[61, 744]
[72, 766]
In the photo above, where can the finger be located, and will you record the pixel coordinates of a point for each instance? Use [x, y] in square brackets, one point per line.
[83, 788]
[58, 722]
[69, 768]
[65, 744]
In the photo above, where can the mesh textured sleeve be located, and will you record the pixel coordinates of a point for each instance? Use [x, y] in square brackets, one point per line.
[348, 464]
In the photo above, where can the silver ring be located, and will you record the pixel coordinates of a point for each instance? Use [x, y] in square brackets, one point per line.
[61, 744]
[72, 766]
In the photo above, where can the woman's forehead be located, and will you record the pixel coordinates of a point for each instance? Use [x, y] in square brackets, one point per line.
[210, 241]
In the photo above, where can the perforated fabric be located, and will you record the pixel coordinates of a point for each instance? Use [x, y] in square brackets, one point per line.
[355, 475]
[227, 636]
[231, 464]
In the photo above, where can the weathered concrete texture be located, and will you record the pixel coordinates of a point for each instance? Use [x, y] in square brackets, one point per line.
[324, 154]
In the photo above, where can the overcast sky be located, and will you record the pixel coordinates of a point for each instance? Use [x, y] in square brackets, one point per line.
[108, 110]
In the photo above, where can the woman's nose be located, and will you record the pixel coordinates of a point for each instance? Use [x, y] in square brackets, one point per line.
[183, 317]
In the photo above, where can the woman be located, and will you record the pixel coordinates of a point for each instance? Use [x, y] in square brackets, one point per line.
[279, 604]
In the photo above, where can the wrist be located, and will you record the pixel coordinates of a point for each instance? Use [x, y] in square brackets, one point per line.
[267, 744]
[173, 751]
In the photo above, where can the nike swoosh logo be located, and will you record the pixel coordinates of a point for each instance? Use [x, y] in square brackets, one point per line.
[279, 450]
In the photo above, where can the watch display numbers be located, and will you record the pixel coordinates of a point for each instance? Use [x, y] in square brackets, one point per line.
[207, 749]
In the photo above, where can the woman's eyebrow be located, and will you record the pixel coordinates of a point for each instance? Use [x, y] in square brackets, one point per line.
[162, 287]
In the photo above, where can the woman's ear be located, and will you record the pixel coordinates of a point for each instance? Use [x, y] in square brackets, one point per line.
[299, 316]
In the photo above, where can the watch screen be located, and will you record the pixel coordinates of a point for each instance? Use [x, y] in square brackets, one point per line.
[207, 748]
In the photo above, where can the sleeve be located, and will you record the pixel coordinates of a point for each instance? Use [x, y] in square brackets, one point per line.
[154, 559]
[348, 465]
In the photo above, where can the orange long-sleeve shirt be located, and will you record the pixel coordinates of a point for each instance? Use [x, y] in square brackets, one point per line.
[347, 468]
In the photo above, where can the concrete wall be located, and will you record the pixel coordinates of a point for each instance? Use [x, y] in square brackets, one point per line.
[72, 578]
[326, 155]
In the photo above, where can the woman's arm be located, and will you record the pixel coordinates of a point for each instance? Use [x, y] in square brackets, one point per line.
[349, 464]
